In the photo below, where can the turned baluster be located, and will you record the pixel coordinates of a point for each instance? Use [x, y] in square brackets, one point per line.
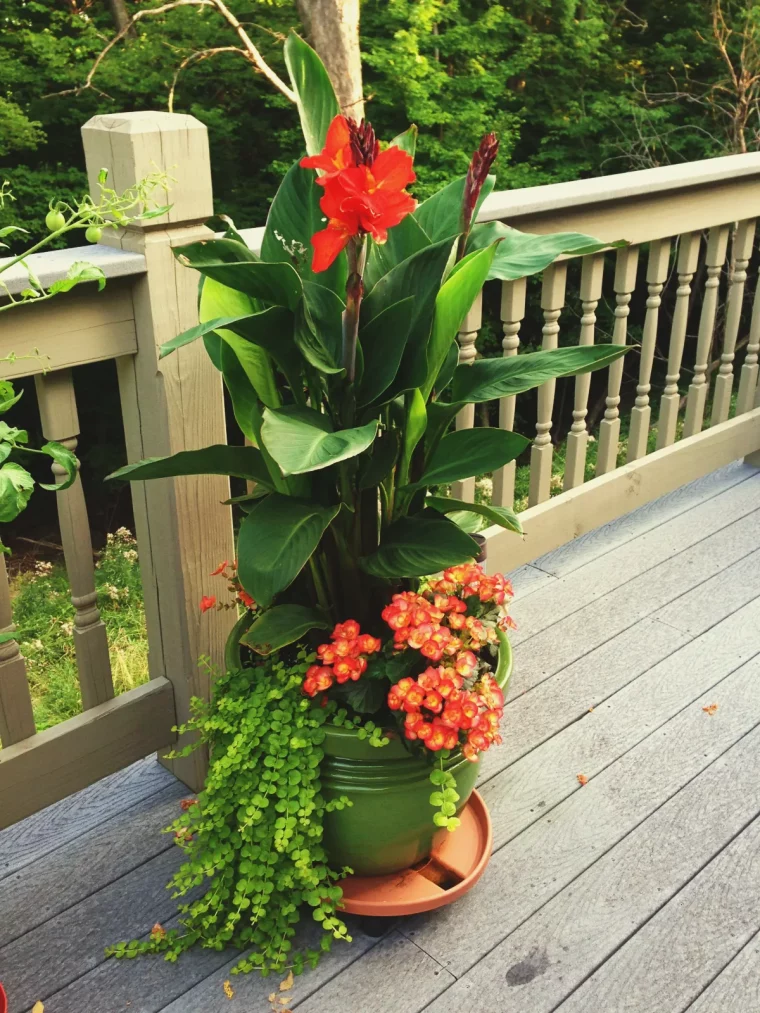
[699, 386]
[512, 313]
[552, 301]
[60, 422]
[724, 381]
[657, 272]
[688, 256]
[609, 431]
[467, 337]
[748, 380]
[592, 273]
[16, 717]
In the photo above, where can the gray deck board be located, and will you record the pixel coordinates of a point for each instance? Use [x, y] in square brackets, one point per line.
[636, 892]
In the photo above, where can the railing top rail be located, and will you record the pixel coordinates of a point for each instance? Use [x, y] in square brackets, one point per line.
[600, 190]
[53, 265]
[511, 205]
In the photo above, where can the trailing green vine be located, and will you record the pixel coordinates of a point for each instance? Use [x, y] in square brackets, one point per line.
[254, 835]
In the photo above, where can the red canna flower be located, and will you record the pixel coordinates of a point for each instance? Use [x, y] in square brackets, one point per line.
[207, 602]
[336, 154]
[364, 189]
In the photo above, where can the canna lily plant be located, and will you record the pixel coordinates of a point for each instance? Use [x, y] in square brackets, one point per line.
[337, 344]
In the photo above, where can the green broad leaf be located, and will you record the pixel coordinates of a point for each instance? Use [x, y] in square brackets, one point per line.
[469, 452]
[282, 625]
[273, 331]
[315, 97]
[12, 434]
[217, 300]
[66, 459]
[9, 402]
[452, 304]
[407, 140]
[441, 215]
[415, 424]
[502, 516]
[302, 440]
[77, 274]
[366, 696]
[234, 265]
[319, 330]
[16, 485]
[199, 331]
[376, 467]
[5, 451]
[404, 240]
[493, 378]
[221, 459]
[419, 546]
[275, 542]
[8, 229]
[293, 219]
[242, 394]
[382, 342]
[6, 637]
[446, 371]
[472, 523]
[519, 254]
[419, 277]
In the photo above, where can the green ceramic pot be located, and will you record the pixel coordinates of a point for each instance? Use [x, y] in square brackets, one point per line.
[390, 824]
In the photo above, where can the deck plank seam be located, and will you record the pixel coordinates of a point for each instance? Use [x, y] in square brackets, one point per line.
[654, 566]
[606, 851]
[654, 914]
[750, 942]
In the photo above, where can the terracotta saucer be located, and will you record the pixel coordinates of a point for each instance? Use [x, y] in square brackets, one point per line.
[452, 869]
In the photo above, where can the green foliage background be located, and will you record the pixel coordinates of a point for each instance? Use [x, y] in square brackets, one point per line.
[560, 80]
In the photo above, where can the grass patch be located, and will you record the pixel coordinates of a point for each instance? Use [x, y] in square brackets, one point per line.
[44, 617]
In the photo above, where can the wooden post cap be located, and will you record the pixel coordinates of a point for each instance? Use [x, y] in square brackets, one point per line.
[134, 145]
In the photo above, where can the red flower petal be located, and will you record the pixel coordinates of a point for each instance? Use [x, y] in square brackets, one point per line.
[393, 170]
[327, 245]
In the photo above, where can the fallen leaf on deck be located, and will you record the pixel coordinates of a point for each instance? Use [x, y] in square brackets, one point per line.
[228, 989]
[710, 709]
[582, 779]
[287, 984]
[38, 1008]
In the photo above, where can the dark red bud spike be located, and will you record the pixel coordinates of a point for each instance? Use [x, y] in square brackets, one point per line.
[480, 166]
[364, 145]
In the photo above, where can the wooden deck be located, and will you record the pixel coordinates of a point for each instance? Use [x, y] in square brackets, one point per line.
[636, 893]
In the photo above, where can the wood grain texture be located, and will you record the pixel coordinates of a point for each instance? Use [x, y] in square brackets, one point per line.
[667, 963]
[79, 869]
[80, 813]
[572, 513]
[87, 326]
[63, 759]
[43, 961]
[565, 941]
[737, 987]
[561, 844]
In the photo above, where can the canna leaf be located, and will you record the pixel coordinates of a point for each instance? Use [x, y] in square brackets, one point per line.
[418, 546]
[234, 265]
[492, 378]
[222, 459]
[382, 342]
[469, 452]
[441, 215]
[282, 625]
[315, 97]
[302, 440]
[519, 254]
[275, 542]
[502, 516]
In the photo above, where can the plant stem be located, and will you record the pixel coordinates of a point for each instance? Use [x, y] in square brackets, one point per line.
[356, 251]
[319, 584]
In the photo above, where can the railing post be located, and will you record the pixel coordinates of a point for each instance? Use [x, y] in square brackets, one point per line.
[60, 422]
[169, 405]
[698, 388]
[724, 381]
[16, 715]
[512, 313]
[592, 273]
[467, 337]
[626, 266]
[641, 413]
[542, 451]
[748, 380]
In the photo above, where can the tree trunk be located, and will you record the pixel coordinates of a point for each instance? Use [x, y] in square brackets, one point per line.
[333, 30]
[120, 16]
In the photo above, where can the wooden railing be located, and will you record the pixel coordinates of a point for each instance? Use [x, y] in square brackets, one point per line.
[689, 227]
